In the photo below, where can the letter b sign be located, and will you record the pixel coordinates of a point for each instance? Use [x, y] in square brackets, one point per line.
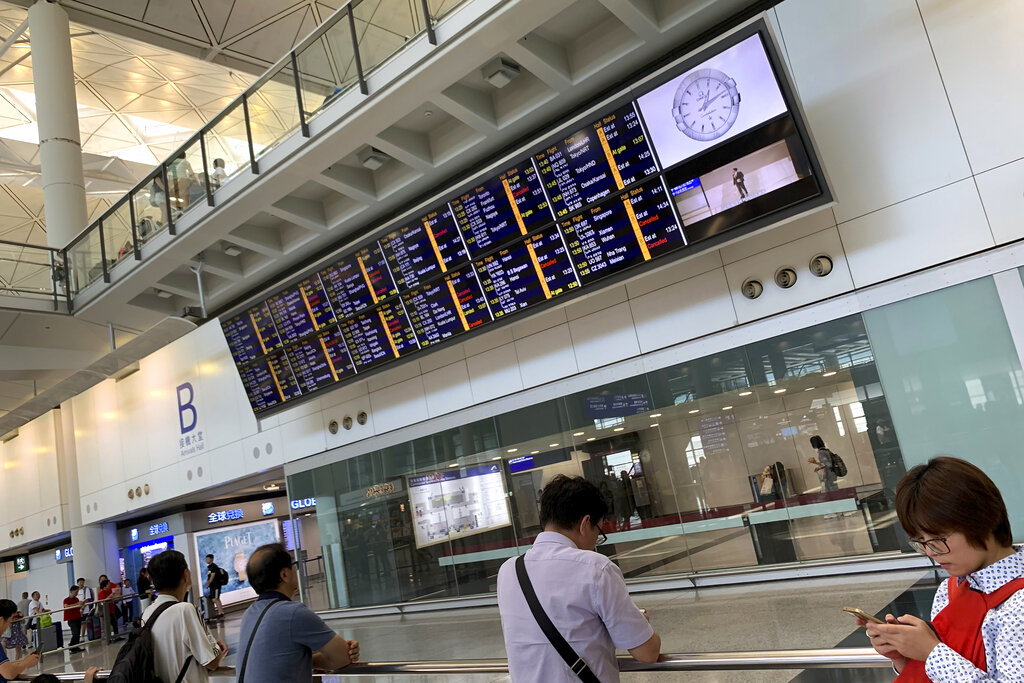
[186, 394]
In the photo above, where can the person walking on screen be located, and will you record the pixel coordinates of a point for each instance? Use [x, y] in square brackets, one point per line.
[739, 182]
[214, 582]
[578, 593]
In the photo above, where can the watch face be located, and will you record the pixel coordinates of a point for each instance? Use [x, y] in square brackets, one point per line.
[706, 104]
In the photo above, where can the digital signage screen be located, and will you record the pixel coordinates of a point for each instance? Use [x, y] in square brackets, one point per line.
[712, 146]
[457, 503]
[712, 102]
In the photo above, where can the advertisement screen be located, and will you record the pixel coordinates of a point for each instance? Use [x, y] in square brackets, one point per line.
[717, 100]
[449, 505]
[231, 548]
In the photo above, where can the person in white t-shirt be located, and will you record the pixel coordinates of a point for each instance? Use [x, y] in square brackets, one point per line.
[180, 639]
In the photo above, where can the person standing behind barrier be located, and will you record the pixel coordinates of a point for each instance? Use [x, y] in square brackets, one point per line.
[86, 595]
[145, 588]
[10, 670]
[956, 516]
[281, 640]
[73, 615]
[582, 593]
[823, 463]
[179, 635]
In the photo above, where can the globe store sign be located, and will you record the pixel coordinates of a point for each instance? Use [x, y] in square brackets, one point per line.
[303, 503]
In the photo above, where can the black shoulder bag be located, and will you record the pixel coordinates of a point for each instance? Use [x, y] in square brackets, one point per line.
[252, 636]
[564, 649]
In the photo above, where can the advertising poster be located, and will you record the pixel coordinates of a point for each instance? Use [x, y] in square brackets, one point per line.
[459, 503]
[717, 100]
[231, 548]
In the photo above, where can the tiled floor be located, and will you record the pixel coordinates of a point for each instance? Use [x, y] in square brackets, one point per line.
[784, 615]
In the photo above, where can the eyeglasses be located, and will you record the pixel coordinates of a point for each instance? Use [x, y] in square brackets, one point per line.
[602, 537]
[938, 546]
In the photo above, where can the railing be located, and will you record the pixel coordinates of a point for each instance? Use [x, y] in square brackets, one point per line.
[839, 658]
[31, 275]
[328, 62]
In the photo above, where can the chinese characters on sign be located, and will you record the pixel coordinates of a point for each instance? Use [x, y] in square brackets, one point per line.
[380, 490]
[224, 516]
[156, 529]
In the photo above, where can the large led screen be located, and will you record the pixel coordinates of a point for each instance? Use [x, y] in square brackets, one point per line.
[714, 145]
[458, 503]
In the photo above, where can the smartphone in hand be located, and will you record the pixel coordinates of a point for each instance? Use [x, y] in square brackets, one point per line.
[861, 614]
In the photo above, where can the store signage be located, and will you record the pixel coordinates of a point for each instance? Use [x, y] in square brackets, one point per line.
[267, 509]
[304, 503]
[224, 516]
[20, 564]
[135, 535]
[64, 554]
[157, 529]
[380, 489]
[191, 440]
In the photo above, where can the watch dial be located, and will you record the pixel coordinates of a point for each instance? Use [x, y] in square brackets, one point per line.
[706, 104]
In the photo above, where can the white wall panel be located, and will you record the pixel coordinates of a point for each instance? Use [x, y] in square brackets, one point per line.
[874, 100]
[219, 388]
[107, 423]
[86, 442]
[226, 462]
[797, 255]
[405, 370]
[598, 301]
[682, 311]
[977, 45]
[302, 437]
[777, 235]
[493, 373]
[398, 405]
[1002, 193]
[433, 360]
[351, 409]
[447, 389]
[538, 323]
[546, 356]
[262, 451]
[193, 474]
[132, 425]
[604, 337]
[921, 232]
[673, 273]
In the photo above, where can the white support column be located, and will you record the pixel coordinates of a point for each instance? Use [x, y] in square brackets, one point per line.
[96, 552]
[60, 144]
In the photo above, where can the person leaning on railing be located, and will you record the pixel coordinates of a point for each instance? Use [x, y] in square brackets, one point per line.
[955, 515]
[9, 669]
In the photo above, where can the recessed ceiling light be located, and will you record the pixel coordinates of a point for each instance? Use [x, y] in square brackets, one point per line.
[694, 411]
[655, 415]
[497, 457]
[455, 465]
[593, 438]
[534, 452]
[779, 391]
[829, 374]
[512, 450]
[726, 407]
[577, 433]
[618, 429]
[271, 487]
[654, 425]
[746, 393]
[808, 388]
[552, 445]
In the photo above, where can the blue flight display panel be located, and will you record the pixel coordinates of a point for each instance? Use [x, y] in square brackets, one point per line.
[445, 308]
[549, 249]
[320, 361]
[634, 227]
[501, 208]
[269, 381]
[424, 249]
[346, 286]
[514, 278]
[251, 334]
[379, 336]
[599, 160]
[301, 309]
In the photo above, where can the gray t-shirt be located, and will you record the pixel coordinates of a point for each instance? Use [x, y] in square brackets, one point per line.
[285, 642]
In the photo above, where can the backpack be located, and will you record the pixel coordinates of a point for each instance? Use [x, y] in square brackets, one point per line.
[135, 662]
[222, 577]
[838, 466]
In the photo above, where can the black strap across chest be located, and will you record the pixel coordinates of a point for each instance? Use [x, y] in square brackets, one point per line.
[252, 636]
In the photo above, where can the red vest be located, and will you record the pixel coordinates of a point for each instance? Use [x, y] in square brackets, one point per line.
[959, 625]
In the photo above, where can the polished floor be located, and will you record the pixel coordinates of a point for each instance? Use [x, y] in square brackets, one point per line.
[783, 615]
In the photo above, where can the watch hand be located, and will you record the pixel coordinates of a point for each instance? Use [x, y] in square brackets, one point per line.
[709, 101]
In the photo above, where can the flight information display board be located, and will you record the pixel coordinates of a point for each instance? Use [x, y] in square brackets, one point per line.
[591, 201]
[511, 204]
[594, 162]
[445, 308]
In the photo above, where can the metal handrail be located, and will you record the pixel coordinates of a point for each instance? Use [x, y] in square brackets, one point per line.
[837, 658]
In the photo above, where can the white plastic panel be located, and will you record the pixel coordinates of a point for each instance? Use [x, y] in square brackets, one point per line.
[1002, 193]
[604, 337]
[132, 425]
[777, 235]
[874, 100]
[546, 356]
[673, 273]
[86, 443]
[109, 466]
[687, 309]
[226, 462]
[923, 231]
[977, 47]
[193, 474]
[808, 287]
[494, 373]
[398, 405]
[447, 389]
[538, 323]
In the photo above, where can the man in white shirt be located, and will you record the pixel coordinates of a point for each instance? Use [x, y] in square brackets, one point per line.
[180, 639]
[581, 591]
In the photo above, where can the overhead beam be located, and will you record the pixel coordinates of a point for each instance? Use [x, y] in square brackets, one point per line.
[306, 213]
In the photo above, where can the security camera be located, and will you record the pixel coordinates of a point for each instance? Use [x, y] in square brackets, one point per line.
[752, 289]
[820, 265]
[785, 277]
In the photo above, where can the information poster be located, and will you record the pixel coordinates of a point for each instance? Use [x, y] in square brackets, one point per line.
[231, 548]
[449, 505]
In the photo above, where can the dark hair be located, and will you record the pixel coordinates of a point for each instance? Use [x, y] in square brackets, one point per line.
[817, 442]
[167, 569]
[104, 583]
[45, 678]
[210, 556]
[567, 500]
[265, 566]
[79, 579]
[7, 609]
[74, 587]
[948, 495]
[35, 593]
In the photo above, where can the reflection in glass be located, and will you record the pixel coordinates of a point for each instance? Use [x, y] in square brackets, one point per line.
[184, 183]
[273, 110]
[227, 147]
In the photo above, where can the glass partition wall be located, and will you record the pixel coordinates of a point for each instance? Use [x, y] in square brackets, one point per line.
[679, 454]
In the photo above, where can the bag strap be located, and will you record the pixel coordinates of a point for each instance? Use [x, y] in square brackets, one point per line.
[184, 669]
[148, 626]
[252, 636]
[564, 649]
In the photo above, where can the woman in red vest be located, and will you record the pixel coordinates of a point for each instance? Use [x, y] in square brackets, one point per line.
[955, 515]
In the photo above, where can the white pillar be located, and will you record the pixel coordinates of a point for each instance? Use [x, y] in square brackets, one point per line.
[60, 143]
[96, 552]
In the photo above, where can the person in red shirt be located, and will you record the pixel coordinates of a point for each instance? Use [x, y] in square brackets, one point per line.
[105, 592]
[73, 615]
